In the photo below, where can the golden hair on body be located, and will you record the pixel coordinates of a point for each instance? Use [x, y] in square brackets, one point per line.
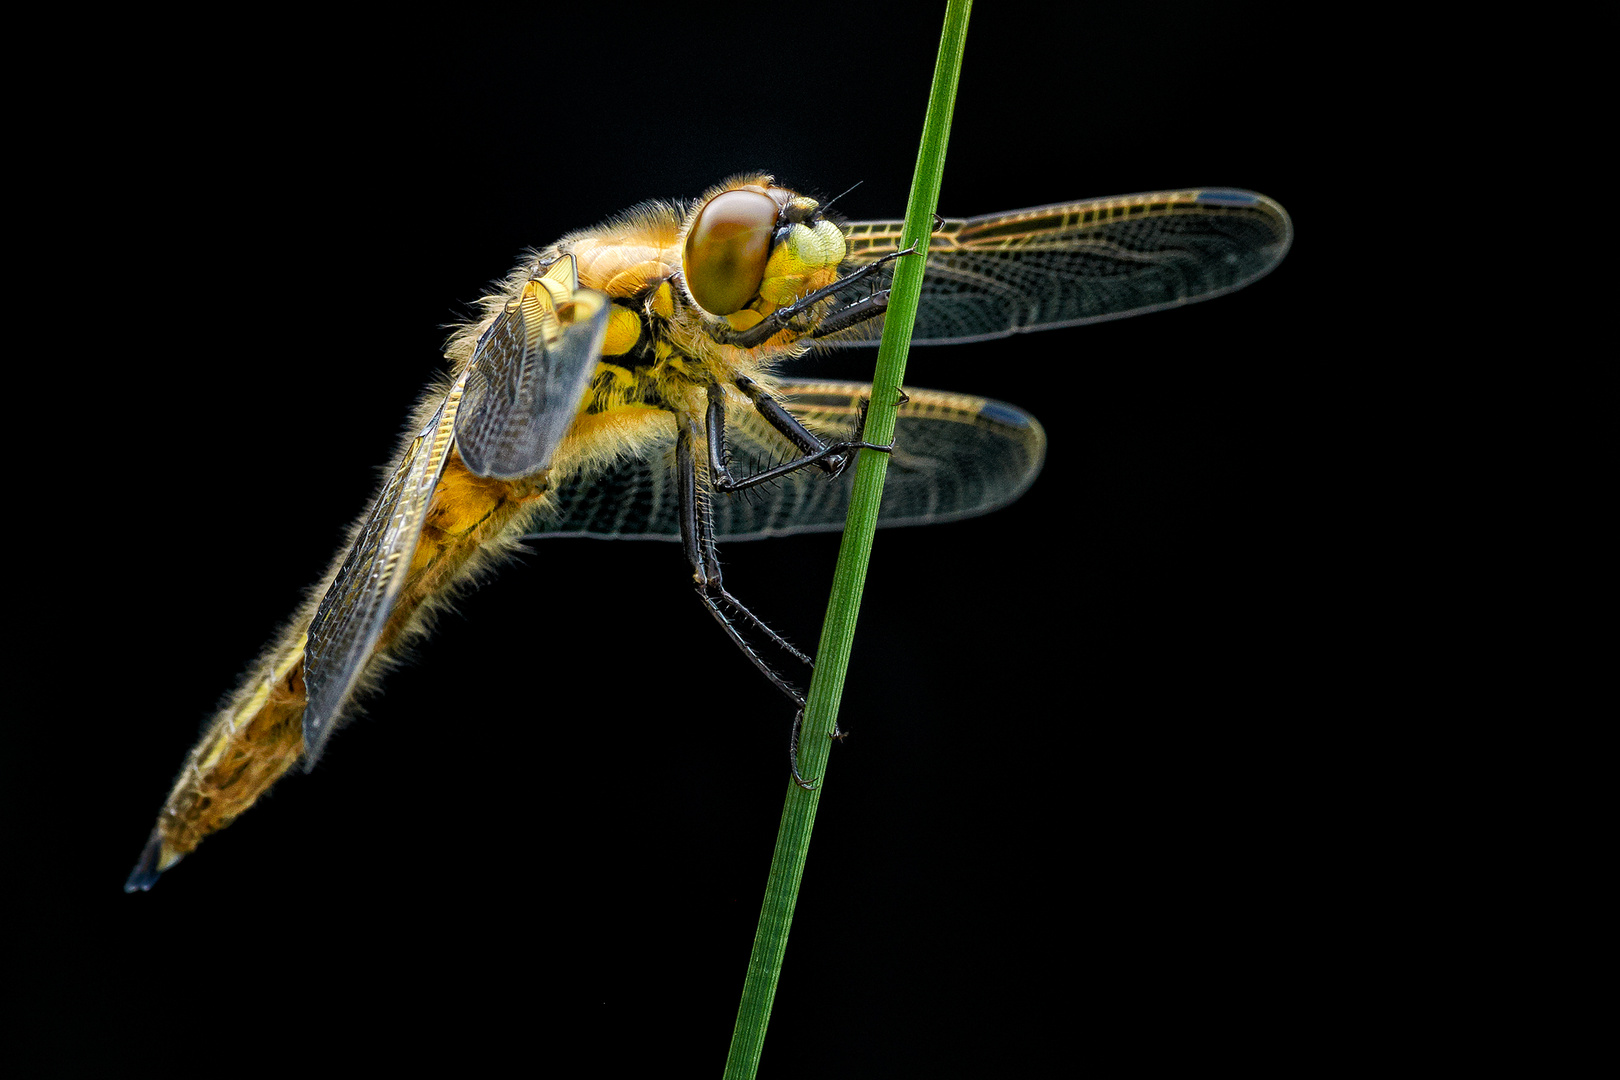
[641, 352]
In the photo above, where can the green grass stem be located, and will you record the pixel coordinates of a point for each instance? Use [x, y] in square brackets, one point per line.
[838, 632]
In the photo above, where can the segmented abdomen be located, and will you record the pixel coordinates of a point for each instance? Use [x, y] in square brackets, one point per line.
[258, 735]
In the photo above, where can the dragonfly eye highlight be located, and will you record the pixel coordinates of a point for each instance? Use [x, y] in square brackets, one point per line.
[727, 248]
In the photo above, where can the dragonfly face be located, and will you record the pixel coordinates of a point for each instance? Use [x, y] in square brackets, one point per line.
[620, 384]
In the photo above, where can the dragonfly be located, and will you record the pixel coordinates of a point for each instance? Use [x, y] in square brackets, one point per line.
[616, 381]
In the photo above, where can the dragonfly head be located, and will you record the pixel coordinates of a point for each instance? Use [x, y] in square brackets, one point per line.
[750, 247]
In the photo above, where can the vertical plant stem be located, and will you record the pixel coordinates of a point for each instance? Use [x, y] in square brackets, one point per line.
[838, 631]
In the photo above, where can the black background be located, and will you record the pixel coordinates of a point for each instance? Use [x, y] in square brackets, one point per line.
[1080, 814]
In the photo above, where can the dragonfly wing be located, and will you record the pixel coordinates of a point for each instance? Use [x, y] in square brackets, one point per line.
[1073, 263]
[528, 374]
[955, 456]
[355, 609]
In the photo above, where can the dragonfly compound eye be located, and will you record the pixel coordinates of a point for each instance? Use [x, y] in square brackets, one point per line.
[727, 248]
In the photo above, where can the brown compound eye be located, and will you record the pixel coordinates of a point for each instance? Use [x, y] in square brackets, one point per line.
[727, 248]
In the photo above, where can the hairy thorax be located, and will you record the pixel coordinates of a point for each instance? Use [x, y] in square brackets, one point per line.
[660, 352]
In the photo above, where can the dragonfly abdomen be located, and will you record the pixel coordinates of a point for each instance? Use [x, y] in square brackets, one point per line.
[251, 742]
[258, 735]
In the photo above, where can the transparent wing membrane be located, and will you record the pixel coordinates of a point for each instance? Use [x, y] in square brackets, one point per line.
[355, 609]
[594, 368]
[955, 456]
[1079, 262]
[528, 374]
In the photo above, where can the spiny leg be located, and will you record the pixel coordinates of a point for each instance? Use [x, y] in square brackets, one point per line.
[831, 458]
[793, 752]
[697, 539]
[782, 317]
[793, 747]
[866, 402]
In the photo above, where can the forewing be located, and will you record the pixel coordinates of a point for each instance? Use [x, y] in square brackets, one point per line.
[355, 608]
[1073, 263]
[955, 456]
[527, 377]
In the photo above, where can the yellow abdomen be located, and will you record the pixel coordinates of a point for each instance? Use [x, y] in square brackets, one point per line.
[258, 736]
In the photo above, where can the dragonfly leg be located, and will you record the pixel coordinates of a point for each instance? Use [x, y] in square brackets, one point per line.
[831, 458]
[697, 540]
[853, 315]
[793, 747]
[793, 752]
[870, 307]
[783, 318]
[865, 403]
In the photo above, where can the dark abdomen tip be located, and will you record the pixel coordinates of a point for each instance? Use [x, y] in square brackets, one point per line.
[146, 870]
